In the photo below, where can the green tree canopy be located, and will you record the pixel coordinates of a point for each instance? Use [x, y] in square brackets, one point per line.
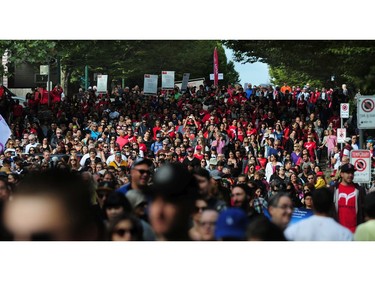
[349, 61]
[129, 59]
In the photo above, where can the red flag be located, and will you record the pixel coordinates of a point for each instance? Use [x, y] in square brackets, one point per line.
[216, 68]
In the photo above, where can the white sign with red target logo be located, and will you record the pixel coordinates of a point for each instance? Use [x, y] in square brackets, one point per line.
[366, 112]
[361, 160]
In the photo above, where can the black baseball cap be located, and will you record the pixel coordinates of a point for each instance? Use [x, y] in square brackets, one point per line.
[348, 168]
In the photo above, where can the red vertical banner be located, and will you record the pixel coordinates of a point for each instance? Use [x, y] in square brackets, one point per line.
[216, 68]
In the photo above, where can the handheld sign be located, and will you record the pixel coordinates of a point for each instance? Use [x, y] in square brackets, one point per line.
[150, 84]
[185, 81]
[102, 83]
[167, 79]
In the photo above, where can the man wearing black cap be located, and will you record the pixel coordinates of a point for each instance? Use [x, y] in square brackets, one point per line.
[140, 174]
[173, 194]
[349, 199]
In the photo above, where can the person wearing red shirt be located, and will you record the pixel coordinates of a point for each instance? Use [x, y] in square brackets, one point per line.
[262, 160]
[56, 94]
[155, 129]
[17, 110]
[240, 132]
[142, 146]
[349, 199]
[311, 146]
[198, 152]
[232, 130]
[121, 140]
[250, 130]
[43, 94]
[130, 136]
[335, 120]
[301, 105]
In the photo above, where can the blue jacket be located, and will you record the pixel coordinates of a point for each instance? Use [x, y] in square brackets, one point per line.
[124, 188]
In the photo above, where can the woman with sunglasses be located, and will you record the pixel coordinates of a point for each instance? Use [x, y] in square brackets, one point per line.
[126, 227]
[74, 164]
[200, 206]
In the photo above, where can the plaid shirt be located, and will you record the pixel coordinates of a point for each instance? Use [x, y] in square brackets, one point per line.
[259, 204]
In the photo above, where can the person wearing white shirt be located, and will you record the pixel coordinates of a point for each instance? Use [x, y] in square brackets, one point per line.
[320, 226]
[32, 143]
[354, 143]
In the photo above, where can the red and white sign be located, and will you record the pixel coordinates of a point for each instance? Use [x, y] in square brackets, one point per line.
[361, 160]
[341, 135]
[366, 112]
[344, 110]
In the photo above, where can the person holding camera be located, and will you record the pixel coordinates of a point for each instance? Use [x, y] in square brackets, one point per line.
[191, 123]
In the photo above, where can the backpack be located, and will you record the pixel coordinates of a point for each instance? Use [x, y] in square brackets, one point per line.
[348, 147]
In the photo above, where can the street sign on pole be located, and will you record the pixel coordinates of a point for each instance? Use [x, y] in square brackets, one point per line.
[341, 135]
[344, 110]
[366, 112]
[43, 69]
[361, 160]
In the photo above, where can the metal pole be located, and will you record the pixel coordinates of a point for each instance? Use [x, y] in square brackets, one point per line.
[361, 139]
[86, 77]
[360, 131]
[342, 126]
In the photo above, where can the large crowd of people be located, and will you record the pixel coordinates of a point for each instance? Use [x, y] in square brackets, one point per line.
[210, 163]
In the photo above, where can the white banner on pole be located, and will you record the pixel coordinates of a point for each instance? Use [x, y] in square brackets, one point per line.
[150, 84]
[102, 83]
[4, 133]
[167, 79]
